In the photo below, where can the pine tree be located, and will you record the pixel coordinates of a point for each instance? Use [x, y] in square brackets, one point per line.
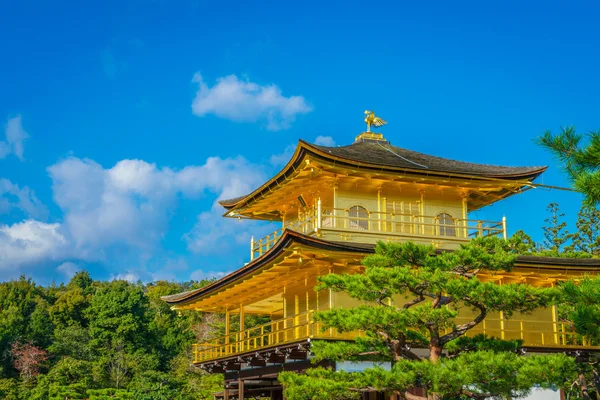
[587, 237]
[581, 305]
[410, 296]
[522, 243]
[580, 161]
[555, 232]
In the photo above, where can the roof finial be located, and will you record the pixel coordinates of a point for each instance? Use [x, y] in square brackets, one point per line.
[371, 119]
[376, 122]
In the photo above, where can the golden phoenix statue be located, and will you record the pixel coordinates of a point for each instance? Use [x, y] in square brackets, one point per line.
[371, 119]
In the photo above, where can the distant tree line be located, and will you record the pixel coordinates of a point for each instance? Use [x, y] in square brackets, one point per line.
[100, 340]
[558, 241]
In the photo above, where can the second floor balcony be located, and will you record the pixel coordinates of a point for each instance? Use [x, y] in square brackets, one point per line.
[356, 224]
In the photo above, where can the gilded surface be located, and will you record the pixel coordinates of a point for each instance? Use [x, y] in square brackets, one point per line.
[373, 120]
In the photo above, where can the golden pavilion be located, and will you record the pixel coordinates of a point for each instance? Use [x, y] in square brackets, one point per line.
[334, 204]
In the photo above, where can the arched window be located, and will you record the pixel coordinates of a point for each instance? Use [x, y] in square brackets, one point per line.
[359, 218]
[446, 225]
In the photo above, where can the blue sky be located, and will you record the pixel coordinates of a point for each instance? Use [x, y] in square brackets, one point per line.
[123, 122]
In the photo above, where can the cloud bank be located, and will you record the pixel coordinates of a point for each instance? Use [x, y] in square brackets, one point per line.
[244, 101]
[122, 210]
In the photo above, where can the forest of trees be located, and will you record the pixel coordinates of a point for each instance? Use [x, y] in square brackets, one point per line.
[100, 340]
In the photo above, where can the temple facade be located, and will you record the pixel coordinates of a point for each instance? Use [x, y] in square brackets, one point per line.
[334, 204]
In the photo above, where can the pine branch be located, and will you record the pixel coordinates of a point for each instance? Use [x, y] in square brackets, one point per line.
[462, 329]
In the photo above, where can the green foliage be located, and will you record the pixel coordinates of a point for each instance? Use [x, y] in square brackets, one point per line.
[587, 237]
[555, 233]
[477, 374]
[522, 243]
[581, 302]
[104, 340]
[581, 161]
[409, 298]
[582, 244]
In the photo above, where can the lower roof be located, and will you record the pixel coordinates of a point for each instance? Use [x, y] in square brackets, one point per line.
[289, 237]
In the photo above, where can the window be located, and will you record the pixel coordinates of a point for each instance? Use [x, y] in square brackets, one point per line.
[446, 225]
[359, 218]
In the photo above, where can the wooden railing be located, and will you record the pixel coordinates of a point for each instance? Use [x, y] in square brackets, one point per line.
[261, 246]
[391, 224]
[300, 327]
[286, 330]
[534, 333]
[408, 223]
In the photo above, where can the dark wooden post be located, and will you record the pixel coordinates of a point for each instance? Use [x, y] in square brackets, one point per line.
[241, 389]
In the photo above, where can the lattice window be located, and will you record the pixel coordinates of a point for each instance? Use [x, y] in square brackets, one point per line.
[359, 218]
[446, 225]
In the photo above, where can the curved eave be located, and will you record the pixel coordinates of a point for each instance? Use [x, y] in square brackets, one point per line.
[304, 148]
[287, 239]
[537, 263]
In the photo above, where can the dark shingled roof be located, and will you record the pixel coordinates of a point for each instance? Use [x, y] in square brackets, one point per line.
[286, 239]
[289, 237]
[382, 154]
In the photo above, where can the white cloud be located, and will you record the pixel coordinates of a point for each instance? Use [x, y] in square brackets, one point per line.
[121, 211]
[283, 158]
[29, 242]
[200, 275]
[244, 101]
[15, 137]
[170, 270]
[130, 203]
[68, 269]
[325, 141]
[20, 198]
[214, 234]
[128, 276]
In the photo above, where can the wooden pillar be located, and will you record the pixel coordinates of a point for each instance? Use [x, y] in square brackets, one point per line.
[319, 214]
[242, 315]
[334, 206]
[379, 209]
[465, 212]
[504, 233]
[555, 324]
[307, 325]
[296, 317]
[225, 393]
[384, 215]
[242, 335]
[241, 389]
[227, 327]
[422, 211]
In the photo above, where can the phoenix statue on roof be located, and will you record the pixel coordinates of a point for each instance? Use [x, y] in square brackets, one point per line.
[371, 119]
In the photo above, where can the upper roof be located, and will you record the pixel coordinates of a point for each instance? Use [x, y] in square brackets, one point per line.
[380, 155]
[384, 154]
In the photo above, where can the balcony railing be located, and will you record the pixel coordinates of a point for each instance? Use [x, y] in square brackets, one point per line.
[301, 327]
[275, 333]
[391, 224]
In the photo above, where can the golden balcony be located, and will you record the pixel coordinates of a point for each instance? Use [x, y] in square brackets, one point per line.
[359, 225]
[534, 333]
[275, 333]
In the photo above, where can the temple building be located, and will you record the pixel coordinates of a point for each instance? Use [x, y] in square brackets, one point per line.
[334, 204]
